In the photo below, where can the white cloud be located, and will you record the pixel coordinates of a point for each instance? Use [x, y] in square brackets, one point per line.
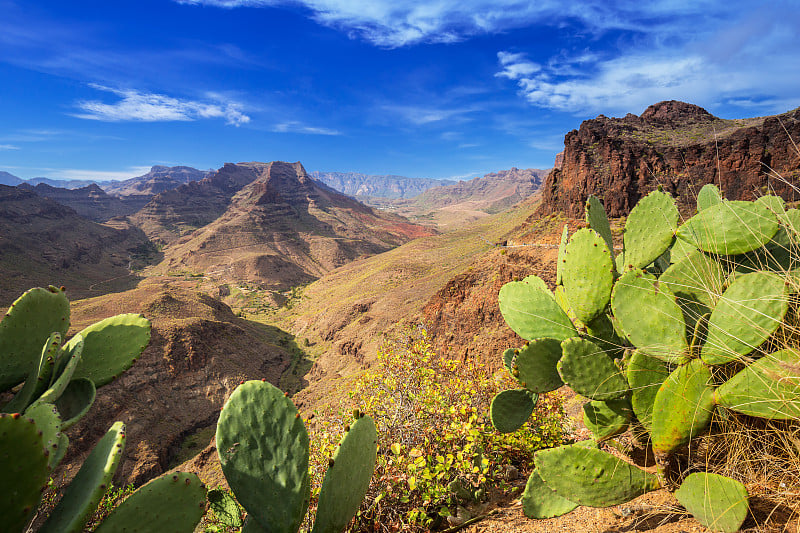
[421, 115]
[516, 66]
[151, 107]
[294, 126]
[8, 147]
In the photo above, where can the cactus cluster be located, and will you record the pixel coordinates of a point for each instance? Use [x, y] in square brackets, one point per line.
[651, 336]
[263, 448]
[55, 385]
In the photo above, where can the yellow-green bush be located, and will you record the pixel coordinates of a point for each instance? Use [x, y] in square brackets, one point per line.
[433, 429]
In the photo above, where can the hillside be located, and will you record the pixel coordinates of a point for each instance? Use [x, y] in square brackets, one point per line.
[368, 188]
[677, 146]
[198, 353]
[450, 206]
[43, 242]
[280, 229]
[159, 179]
[90, 201]
[9, 179]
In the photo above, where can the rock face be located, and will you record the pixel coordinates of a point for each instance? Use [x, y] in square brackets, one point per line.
[159, 179]
[43, 242]
[90, 202]
[677, 146]
[271, 224]
[366, 186]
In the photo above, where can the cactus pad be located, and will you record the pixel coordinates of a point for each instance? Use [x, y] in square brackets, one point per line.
[86, 490]
[76, 400]
[730, 228]
[717, 502]
[225, 508]
[683, 407]
[510, 409]
[696, 277]
[540, 501]
[606, 419]
[659, 332]
[590, 371]
[561, 247]
[111, 346]
[25, 328]
[650, 229]
[536, 365]
[39, 378]
[645, 376]
[592, 477]
[708, 196]
[598, 220]
[48, 421]
[768, 388]
[23, 470]
[263, 450]
[65, 368]
[347, 479]
[173, 503]
[587, 274]
[748, 312]
[532, 312]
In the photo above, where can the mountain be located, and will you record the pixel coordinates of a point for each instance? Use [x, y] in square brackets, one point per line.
[90, 202]
[268, 223]
[43, 242]
[159, 179]
[9, 179]
[366, 186]
[679, 147]
[450, 206]
[63, 184]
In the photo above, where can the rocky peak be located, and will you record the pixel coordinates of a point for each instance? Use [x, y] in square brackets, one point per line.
[673, 112]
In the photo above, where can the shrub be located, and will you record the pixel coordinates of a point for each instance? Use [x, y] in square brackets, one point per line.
[436, 448]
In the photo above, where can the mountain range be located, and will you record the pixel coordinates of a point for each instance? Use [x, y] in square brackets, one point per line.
[364, 187]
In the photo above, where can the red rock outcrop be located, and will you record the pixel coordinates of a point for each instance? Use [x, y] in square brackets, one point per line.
[680, 147]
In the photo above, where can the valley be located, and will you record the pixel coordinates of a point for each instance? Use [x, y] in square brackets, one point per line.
[261, 270]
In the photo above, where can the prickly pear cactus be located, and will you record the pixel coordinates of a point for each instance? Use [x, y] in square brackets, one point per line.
[705, 322]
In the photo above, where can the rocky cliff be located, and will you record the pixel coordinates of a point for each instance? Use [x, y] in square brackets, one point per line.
[680, 147]
[90, 202]
[159, 179]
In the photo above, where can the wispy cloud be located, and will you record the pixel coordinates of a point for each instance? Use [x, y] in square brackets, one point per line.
[8, 147]
[516, 66]
[390, 23]
[294, 126]
[421, 115]
[151, 107]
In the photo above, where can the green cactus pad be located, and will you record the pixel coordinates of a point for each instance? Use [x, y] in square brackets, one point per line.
[748, 312]
[650, 316]
[47, 419]
[172, 503]
[598, 220]
[730, 228]
[65, 368]
[111, 346]
[536, 365]
[588, 476]
[263, 450]
[39, 378]
[560, 259]
[225, 508]
[347, 479]
[708, 196]
[717, 502]
[683, 407]
[27, 325]
[650, 229]
[602, 332]
[540, 501]
[590, 371]
[775, 204]
[86, 490]
[532, 312]
[587, 274]
[508, 359]
[76, 400]
[645, 376]
[696, 277]
[561, 299]
[23, 470]
[768, 388]
[510, 409]
[680, 250]
[607, 419]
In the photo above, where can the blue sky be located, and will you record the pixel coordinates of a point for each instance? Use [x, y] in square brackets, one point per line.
[434, 88]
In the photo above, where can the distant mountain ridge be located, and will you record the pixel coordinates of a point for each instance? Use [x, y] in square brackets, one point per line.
[383, 186]
[90, 202]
